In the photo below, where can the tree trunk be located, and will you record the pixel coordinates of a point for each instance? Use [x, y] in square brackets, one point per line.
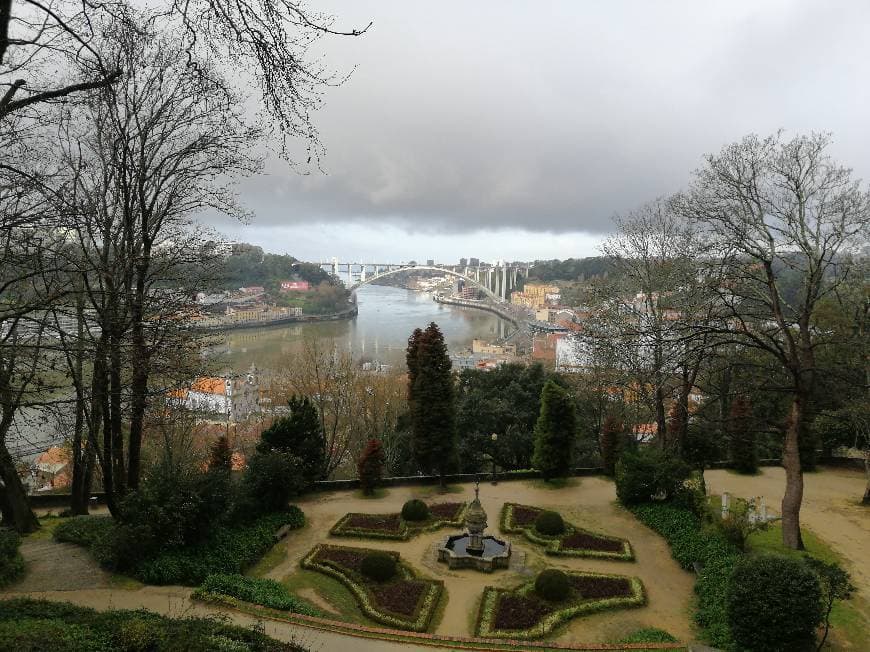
[866, 500]
[16, 503]
[115, 416]
[794, 478]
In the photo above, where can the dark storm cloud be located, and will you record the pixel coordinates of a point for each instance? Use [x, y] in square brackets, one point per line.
[553, 116]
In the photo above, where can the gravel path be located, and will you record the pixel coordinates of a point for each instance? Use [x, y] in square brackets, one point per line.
[53, 566]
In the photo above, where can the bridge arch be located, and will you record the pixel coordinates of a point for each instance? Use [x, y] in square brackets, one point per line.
[492, 295]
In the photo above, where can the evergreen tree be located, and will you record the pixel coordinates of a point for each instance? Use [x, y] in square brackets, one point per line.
[220, 455]
[610, 443]
[555, 432]
[742, 434]
[299, 434]
[371, 466]
[431, 398]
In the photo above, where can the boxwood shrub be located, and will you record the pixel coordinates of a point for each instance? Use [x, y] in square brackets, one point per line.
[415, 510]
[552, 584]
[550, 523]
[690, 544]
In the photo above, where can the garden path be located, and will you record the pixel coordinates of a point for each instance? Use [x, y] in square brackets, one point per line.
[53, 566]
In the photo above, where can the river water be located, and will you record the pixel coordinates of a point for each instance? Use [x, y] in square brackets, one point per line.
[387, 317]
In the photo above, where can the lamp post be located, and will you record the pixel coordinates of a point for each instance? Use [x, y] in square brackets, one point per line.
[494, 438]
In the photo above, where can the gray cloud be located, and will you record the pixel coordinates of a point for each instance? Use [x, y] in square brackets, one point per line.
[553, 116]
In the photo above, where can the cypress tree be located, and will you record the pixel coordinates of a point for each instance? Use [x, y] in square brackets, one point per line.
[742, 434]
[300, 435]
[555, 432]
[431, 398]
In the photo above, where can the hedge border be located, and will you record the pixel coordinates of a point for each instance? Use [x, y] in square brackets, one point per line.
[407, 530]
[553, 545]
[486, 612]
[424, 611]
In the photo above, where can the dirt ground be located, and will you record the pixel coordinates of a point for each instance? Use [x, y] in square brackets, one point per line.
[831, 509]
[587, 502]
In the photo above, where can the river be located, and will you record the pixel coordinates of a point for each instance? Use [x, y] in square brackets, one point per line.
[387, 317]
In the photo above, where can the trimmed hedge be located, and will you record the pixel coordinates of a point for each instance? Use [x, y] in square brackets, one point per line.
[690, 544]
[11, 562]
[228, 550]
[550, 523]
[29, 625]
[378, 566]
[415, 510]
[395, 527]
[264, 592]
[552, 584]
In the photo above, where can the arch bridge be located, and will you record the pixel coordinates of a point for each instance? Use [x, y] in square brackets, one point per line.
[495, 281]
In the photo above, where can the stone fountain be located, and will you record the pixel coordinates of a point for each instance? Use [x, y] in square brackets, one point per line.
[474, 549]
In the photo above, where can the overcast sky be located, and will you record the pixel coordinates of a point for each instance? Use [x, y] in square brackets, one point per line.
[508, 129]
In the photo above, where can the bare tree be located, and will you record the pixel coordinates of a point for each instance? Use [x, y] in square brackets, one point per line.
[779, 210]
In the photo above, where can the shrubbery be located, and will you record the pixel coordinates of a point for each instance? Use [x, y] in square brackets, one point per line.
[691, 544]
[647, 473]
[773, 603]
[265, 592]
[378, 566]
[550, 523]
[11, 563]
[28, 625]
[272, 479]
[552, 585]
[415, 510]
[299, 434]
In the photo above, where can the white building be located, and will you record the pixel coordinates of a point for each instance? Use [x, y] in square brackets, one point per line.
[231, 397]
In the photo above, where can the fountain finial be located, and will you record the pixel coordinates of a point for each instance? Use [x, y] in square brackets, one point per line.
[477, 490]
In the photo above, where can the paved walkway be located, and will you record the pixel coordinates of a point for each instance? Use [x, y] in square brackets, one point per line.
[58, 566]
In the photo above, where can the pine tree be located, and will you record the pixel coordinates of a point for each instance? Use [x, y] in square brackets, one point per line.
[300, 435]
[555, 432]
[610, 443]
[220, 455]
[742, 433]
[431, 399]
[371, 466]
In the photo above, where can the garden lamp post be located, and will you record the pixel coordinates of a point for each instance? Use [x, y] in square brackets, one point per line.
[494, 438]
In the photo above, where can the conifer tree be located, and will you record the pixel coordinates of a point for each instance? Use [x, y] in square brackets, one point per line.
[371, 466]
[220, 455]
[742, 433]
[610, 443]
[555, 432]
[299, 434]
[431, 399]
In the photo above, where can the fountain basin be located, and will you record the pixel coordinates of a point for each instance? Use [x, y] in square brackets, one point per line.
[454, 552]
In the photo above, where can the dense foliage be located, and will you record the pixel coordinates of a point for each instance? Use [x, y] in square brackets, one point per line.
[552, 584]
[415, 510]
[11, 563]
[370, 466]
[773, 603]
[431, 401]
[265, 592]
[571, 269]
[555, 433]
[647, 472]
[378, 566]
[228, 548]
[506, 401]
[550, 523]
[30, 625]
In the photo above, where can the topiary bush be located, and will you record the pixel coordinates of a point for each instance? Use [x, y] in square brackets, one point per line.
[415, 510]
[552, 585]
[550, 523]
[378, 566]
[773, 603]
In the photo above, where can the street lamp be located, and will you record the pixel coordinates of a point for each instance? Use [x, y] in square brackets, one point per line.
[494, 438]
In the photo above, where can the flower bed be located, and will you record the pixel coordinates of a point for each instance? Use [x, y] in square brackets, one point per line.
[521, 614]
[575, 541]
[406, 602]
[393, 526]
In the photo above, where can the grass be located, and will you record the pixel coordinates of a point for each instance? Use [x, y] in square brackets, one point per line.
[648, 635]
[277, 555]
[770, 540]
[332, 591]
[47, 524]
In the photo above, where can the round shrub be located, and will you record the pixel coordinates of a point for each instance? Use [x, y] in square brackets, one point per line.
[415, 510]
[378, 566]
[552, 585]
[773, 603]
[550, 523]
